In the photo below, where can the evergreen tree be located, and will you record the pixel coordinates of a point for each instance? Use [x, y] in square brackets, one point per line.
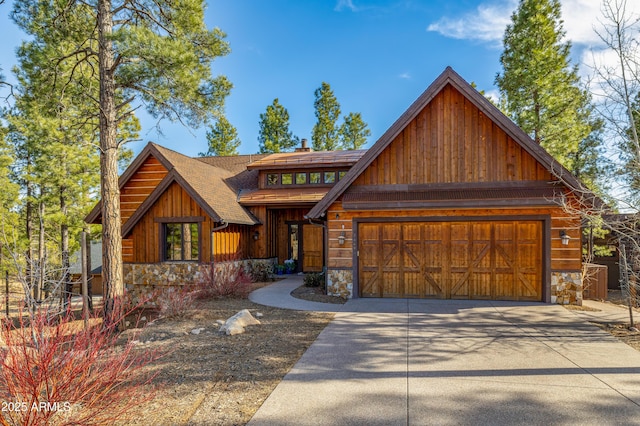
[274, 134]
[157, 53]
[630, 167]
[539, 86]
[222, 139]
[353, 131]
[325, 134]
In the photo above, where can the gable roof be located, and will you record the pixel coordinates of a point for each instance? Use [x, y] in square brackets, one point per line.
[448, 76]
[211, 186]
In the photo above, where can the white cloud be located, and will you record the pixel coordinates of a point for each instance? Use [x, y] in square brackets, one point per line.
[405, 76]
[486, 23]
[345, 4]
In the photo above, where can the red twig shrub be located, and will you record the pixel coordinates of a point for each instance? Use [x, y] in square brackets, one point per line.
[228, 279]
[175, 302]
[57, 372]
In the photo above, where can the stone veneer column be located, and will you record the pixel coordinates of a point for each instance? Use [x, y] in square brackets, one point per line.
[340, 283]
[566, 288]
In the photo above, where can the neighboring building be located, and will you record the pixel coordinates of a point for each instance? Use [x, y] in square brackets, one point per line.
[95, 269]
[453, 201]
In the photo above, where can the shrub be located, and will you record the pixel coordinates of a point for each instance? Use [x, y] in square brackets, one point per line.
[56, 371]
[260, 271]
[175, 302]
[313, 280]
[227, 279]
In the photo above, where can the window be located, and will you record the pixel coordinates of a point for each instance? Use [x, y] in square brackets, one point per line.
[181, 241]
[301, 178]
[314, 177]
[341, 174]
[272, 179]
[287, 178]
[329, 177]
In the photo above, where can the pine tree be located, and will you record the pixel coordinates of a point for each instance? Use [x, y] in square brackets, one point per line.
[222, 139]
[540, 88]
[274, 134]
[353, 131]
[156, 53]
[325, 135]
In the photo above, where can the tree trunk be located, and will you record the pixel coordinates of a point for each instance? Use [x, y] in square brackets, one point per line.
[64, 248]
[31, 290]
[110, 192]
[41, 248]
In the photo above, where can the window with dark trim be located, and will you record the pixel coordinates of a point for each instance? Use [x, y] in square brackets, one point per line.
[287, 178]
[181, 241]
[272, 179]
[314, 177]
[329, 177]
[301, 178]
[322, 177]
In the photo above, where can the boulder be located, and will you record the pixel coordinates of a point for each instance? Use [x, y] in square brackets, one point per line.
[237, 323]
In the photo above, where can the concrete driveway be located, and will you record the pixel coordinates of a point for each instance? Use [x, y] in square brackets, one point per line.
[422, 362]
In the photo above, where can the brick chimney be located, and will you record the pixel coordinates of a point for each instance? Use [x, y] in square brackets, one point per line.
[303, 146]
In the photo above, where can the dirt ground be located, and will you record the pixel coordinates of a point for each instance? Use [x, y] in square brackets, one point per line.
[210, 378]
[621, 331]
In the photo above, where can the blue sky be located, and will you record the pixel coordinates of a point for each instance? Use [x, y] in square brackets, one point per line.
[378, 56]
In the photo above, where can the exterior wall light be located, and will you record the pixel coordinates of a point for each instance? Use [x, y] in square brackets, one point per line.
[341, 237]
[256, 236]
[564, 238]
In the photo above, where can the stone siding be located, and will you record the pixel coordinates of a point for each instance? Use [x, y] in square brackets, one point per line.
[566, 288]
[340, 283]
[142, 279]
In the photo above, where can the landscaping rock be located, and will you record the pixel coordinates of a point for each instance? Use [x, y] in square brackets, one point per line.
[237, 323]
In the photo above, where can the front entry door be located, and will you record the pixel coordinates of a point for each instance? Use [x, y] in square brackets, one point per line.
[311, 248]
[306, 246]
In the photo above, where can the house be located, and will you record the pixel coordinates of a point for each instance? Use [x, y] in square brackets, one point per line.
[453, 201]
[95, 269]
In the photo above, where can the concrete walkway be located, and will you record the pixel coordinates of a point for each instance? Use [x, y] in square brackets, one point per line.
[420, 362]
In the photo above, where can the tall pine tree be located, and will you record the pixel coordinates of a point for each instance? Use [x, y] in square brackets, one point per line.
[325, 135]
[222, 138]
[274, 134]
[539, 87]
[353, 131]
[156, 53]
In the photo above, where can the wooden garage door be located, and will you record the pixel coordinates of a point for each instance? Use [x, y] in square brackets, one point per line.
[458, 260]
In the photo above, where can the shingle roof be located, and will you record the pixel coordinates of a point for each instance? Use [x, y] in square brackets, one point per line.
[210, 185]
[237, 164]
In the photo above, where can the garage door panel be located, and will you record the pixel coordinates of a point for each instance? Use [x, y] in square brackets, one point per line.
[412, 256]
[369, 260]
[466, 260]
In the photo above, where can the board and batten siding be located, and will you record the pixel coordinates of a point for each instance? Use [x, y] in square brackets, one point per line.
[175, 204]
[563, 258]
[452, 141]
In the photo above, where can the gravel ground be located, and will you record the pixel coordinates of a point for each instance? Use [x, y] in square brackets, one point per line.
[209, 378]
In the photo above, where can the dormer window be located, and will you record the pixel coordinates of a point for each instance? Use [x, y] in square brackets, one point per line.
[272, 179]
[314, 178]
[322, 177]
[329, 177]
